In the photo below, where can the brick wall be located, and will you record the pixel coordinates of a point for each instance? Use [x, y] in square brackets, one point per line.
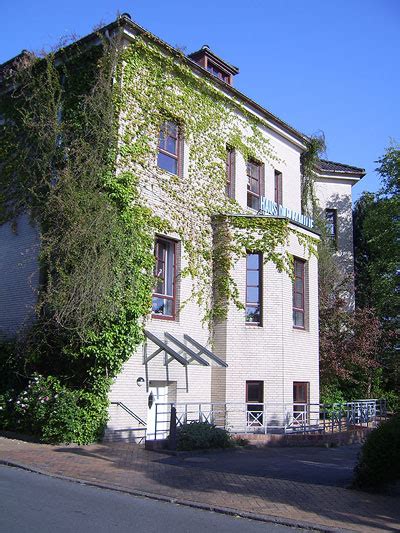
[274, 353]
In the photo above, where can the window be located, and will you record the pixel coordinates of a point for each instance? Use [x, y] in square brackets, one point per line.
[278, 187]
[331, 224]
[230, 172]
[255, 402]
[217, 72]
[253, 288]
[254, 184]
[301, 399]
[169, 148]
[164, 292]
[299, 293]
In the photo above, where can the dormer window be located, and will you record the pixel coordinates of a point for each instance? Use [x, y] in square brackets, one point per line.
[218, 73]
[214, 64]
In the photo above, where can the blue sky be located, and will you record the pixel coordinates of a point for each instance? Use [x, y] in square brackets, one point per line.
[330, 65]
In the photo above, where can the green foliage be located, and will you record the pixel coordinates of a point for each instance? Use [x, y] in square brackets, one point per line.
[54, 412]
[389, 170]
[78, 152]
[159, 87]
[379, 461]
[392, 399]
[202, 435]
[379, 389]
[331, 393]
[96, 238]
[309, 162]
[377, 227]
[377, 259]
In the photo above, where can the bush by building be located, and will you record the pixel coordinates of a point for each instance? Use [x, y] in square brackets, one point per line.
[53, 412]
[379, 461]
[202, 435]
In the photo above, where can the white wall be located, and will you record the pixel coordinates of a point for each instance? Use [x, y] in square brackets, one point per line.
[275, 352]
[336, 193]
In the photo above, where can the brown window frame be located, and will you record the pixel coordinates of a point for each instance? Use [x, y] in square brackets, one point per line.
[252, 382]
[256, 407]
[278, 187]
[230, 172]
[301, 407]
[255, 194]
[217, 71]
[165, 296]
[258, 286]
[179, 147]
[302, 310]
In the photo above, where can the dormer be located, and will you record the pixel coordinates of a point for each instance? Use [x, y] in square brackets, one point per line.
[214, 64]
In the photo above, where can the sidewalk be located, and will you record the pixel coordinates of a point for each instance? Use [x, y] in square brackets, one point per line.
[217, 480]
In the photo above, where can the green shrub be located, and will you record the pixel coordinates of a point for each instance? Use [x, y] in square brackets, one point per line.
[202, 435]
[379, 460]
[331, 394]
[392, 401]
[55, 413]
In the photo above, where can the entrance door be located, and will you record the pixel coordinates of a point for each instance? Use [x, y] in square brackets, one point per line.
[157, 415]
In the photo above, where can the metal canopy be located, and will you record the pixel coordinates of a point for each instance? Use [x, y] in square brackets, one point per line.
[188, 356]
[162, 347]
[205, 351]
[185, 359]
[193, 356]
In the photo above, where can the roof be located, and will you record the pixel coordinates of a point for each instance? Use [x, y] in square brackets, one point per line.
[205, 50]
[124, 20]
[331, 166]
[7, 68]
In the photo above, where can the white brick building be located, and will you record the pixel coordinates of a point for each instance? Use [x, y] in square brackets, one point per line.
[266, 354]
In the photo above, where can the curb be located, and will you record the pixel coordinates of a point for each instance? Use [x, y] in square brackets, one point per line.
[187, 503]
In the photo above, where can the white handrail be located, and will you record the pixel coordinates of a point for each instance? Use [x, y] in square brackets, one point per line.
[239, 417]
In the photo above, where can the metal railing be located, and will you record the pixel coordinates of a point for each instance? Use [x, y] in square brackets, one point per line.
[273, 418]
[130, 412]
[140, 439]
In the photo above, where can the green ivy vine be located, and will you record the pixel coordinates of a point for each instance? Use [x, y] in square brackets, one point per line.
[155, 87]
[78, 145]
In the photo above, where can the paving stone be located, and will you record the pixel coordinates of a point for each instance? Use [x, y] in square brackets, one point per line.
[230, 480]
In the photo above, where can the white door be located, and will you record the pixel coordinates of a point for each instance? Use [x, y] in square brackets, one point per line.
[157, 415]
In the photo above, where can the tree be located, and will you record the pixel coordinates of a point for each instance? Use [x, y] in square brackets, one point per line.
[350, 339]
[389, 170]
[349, 343]
[377, 258]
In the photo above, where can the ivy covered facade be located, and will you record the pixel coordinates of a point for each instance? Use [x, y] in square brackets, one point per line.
[164, 251]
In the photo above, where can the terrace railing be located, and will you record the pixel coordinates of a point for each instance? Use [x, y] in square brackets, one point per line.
[272, 418]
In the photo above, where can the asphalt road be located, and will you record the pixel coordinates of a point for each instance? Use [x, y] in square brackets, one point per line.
[34, 503]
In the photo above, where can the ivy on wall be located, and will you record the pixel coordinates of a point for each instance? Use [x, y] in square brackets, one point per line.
[309, 162]
[156, 87]
[78, 146]
[58, 145]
